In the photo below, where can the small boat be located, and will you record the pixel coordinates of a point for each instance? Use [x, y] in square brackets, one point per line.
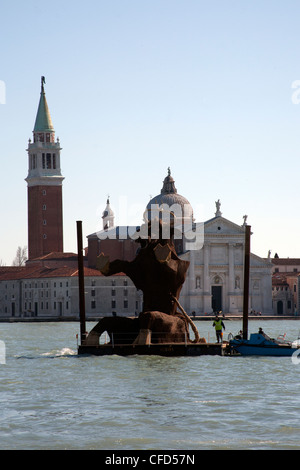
[261, 345]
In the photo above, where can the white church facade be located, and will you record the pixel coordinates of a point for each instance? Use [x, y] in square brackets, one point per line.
[216, 273]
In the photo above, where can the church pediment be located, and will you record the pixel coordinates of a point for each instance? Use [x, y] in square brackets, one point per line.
[257, 262]
[221, 226]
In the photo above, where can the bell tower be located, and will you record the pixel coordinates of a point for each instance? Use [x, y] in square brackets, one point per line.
[44, 186]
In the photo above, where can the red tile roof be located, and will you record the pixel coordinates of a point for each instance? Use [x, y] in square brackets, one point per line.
[279, 279]
[56, 255]
[10, 273]
[286, 261]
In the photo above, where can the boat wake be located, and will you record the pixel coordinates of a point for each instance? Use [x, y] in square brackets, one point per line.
[64, 352]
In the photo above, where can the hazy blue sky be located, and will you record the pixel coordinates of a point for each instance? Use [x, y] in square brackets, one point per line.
[135, 86]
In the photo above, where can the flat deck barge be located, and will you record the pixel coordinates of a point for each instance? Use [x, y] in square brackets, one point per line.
[160, 349]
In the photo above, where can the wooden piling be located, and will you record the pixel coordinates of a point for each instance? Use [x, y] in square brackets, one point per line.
[246, 281]
[81, 282]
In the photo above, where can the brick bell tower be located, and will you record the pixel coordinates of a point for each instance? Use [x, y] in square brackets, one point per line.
[44, 184]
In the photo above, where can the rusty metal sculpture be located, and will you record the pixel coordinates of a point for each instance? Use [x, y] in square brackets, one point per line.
[159, 273]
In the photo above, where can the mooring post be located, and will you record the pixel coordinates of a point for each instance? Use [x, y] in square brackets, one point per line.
[246, 281]
[81, 282]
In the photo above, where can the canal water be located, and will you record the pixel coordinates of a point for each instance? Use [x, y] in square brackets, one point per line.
[53, 399]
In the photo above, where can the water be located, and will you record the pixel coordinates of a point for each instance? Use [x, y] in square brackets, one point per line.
[50, 398]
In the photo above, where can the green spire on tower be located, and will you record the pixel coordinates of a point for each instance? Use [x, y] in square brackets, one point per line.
[43, 122]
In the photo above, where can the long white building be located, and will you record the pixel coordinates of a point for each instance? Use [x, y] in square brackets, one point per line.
[44, 292]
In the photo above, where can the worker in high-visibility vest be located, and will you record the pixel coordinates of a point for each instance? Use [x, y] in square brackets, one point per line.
[218, 324]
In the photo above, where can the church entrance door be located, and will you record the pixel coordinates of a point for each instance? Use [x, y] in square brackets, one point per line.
[216, 298]
[280, 307]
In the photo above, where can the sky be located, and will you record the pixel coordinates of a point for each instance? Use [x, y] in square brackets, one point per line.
[210, 89]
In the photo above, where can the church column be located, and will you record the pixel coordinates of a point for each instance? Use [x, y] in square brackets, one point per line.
[231, 287]
[231, 268]
[192, 281]
[192, 270]
[206, 283]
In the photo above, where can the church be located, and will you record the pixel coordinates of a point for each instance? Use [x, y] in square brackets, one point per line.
[215, 277]
[216, 273]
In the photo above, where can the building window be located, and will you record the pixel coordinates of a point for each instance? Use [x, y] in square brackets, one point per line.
[125, 303]
[276, 270]
[113, 292]
[44, 236]
[125, 292]
[44, 207]
[113, 303]
[125, 282]
[93, 304]
[44, 192]
[54, 161]
[48, 158]
[33, 161]
[93, 293]
[44, 222]
[43, 160]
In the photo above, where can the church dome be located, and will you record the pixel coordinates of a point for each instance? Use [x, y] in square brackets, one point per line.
[178, 204]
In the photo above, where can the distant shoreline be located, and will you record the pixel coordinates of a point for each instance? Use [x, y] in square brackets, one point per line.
[227, 317]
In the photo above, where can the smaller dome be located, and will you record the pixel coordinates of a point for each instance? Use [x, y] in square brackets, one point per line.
[107, 211]
[108, 216]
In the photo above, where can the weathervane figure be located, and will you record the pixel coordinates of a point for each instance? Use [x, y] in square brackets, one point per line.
[42, 82]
